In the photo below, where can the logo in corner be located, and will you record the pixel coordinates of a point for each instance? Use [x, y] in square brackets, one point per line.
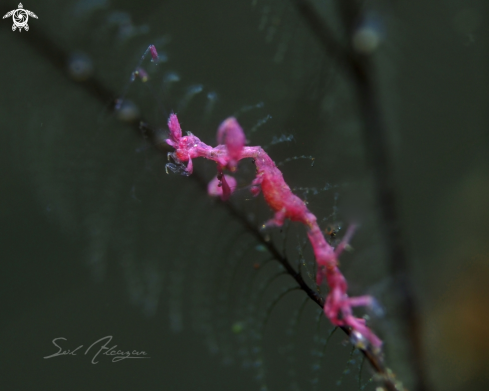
[20, 16]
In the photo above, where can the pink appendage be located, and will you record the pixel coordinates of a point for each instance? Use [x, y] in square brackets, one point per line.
[154, 53]
[338, 305]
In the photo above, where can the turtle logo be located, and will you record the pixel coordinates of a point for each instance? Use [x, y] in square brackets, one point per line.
[20, 16]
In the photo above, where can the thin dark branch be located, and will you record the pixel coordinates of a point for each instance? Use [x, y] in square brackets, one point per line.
[359, 70]
[322, 32]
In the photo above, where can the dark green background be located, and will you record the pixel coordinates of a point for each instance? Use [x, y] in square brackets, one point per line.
[94, 233]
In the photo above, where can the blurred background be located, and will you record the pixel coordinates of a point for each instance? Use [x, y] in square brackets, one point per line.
[98, 241]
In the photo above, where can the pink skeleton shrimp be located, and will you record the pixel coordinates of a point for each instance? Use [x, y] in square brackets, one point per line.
[338, 305]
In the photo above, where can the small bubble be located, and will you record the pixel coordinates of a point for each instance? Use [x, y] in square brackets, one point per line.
[80, 66]
[366, 40]
[368, 36]
[127, 111]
